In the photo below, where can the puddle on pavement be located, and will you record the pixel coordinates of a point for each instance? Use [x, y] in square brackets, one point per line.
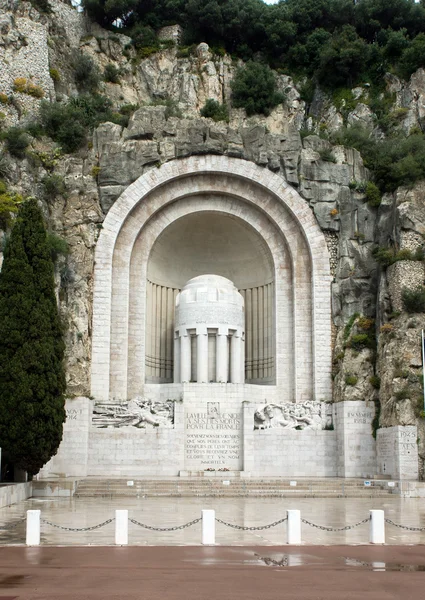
[299, 560]
[382, 566]
[12, 581]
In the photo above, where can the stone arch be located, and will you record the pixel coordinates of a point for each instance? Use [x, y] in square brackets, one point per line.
[248, 191]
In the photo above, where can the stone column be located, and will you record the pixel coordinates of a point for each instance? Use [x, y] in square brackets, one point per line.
[201, 356]
[176, 362]
[235, 358]
[185, 358]
[222, 358]
[242, 357]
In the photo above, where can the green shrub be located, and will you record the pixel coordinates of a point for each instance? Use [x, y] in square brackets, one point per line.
[351, 379]
[360, 341]
[389, 256]
[57, 246]
[349, 325]
[375, 382]
[306, 91]
[17, 141]
[358, 186]
[86, 73]
[68, 124]
[24, 86]
[128, 109]
[172, 107]
[55, 75]
[327, 155]
[4, 166]
[403, 394]
[414, 300]
[373, 195]
[394, 161]
[185, 51]
[9, 204]
[111, 73]
[365, 323]
[254, 89]
[4, 99]
[214, 110]
[54, 185]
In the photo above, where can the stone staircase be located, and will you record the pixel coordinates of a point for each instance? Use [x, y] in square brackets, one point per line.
[243, 487]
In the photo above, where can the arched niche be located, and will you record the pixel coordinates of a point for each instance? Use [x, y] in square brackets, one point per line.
[242, 191]
[202, 242]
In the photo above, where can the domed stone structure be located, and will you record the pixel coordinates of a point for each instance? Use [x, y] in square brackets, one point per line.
[209, 332]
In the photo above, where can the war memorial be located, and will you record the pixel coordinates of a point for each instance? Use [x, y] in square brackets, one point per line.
[212, 339]
[232, 284]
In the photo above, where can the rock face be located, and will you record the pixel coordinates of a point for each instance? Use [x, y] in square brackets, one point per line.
[170, 90]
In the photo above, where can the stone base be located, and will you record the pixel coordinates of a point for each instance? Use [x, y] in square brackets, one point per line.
[397, 452]
[216, 427]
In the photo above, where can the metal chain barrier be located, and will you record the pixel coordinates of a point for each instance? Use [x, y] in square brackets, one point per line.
[404, 526]
[165, 528]
[98, 526]
[13, 525]
[326, 528]
[259, 528]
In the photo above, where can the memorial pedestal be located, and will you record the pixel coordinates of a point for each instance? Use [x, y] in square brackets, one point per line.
[397, 452]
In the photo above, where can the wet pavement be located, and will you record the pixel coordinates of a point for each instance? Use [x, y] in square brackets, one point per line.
[169, 512]
[213, 573]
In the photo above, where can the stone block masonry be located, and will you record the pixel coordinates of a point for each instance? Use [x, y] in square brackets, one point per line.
[213, 429]
[397, 452]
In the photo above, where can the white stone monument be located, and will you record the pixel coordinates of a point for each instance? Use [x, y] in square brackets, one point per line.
[209, 332]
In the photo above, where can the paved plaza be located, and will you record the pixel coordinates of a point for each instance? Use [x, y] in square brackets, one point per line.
[219, 573]
[170, 512]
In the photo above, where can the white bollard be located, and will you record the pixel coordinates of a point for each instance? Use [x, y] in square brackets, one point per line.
[377, 527]
[33, 528]
[121, 527]
[293, 527]
[208, 527]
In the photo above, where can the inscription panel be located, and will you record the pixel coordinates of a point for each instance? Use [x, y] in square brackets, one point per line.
[213, 439]
[408, 453]
[398, 452]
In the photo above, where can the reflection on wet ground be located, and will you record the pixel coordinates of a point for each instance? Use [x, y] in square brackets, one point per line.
[294, 560]
[12, 581]
[169, 512]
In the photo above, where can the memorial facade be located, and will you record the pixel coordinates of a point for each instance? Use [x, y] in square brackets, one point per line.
[211, 337]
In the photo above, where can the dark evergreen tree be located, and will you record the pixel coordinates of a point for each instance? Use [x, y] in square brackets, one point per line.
[32, 378]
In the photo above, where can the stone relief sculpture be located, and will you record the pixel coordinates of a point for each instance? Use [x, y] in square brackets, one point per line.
[138, 412]
[306, 415]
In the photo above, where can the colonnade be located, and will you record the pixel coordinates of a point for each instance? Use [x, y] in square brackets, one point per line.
[229, 356]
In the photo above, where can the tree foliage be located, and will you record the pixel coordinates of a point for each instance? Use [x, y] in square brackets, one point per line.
[337, 42]
[395, 161]
[32, 380]
[254, 89]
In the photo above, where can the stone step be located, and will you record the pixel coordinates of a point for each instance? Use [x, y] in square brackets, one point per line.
[247, 487]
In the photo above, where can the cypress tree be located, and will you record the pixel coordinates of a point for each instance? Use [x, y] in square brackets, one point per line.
[32, 378]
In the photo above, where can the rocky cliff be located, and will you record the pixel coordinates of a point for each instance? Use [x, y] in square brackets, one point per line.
[377, 343]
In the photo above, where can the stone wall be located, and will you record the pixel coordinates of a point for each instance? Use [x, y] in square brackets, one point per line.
[12, 493]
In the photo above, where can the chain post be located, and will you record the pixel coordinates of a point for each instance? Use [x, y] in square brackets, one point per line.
[121, 527]
[33, 528]
[293, 529]
[377, 527]
[208, 527]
